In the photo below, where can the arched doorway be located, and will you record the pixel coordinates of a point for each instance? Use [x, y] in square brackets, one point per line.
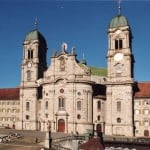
[98, 128]
[146, 133]
[61, 125]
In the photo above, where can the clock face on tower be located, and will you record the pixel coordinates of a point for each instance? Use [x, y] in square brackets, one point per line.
[29, 65]
[118, 56]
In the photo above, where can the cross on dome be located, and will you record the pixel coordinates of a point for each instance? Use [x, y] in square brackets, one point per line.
[119, 7]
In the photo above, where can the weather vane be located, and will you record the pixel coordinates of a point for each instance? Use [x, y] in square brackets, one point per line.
[119, 7]
[36, 23]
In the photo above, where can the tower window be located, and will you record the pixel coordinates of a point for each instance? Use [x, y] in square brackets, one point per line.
[98, 106]
[118, 44]
[28, 75]
[30, 54]
[27, 106]
[46, 105]
[27, 117]
[98, 117]
[119, 106]
[78, 116]
[61, 103]
[78, 105]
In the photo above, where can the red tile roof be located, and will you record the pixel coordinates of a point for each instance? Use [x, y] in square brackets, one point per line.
[143, 90]
[9, 94]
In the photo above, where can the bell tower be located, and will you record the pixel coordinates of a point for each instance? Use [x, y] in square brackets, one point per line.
[119, 104]
[33, 66]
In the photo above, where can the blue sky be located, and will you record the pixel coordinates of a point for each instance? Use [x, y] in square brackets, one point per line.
[82, 23]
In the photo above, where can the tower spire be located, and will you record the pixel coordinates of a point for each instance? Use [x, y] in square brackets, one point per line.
[36, 23]
[119, 7]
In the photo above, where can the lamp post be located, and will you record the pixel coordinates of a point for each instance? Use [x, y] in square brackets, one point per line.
[49, 135]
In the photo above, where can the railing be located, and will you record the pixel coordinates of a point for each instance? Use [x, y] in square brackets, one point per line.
[69, 138]
[56, 142]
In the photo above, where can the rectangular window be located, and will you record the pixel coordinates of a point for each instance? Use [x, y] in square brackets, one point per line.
[116, 44]
[120, 44]
[119, 106]
[61, 103]
[28, 75]
[46, 105]
[137, 123]
[27, 106]
[137, 112]
[137, 103]
[146, 111]
[146, 123]
[78, 105]
[46, 115]
[98, 106]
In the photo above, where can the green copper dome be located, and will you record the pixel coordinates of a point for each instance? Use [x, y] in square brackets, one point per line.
[34, 35]
[118, 21]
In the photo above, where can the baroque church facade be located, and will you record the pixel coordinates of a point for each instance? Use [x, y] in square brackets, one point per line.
[70, 96]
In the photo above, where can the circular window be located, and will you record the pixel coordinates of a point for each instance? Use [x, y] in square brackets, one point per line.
[79, 93]
[61, 90]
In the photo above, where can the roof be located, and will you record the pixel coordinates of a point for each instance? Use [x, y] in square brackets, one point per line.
[98, 71]
[118, 21]
[92, 144]
[142, 90]
[34, 35]
[9, 94]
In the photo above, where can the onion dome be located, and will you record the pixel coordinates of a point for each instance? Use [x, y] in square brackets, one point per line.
[118, 21]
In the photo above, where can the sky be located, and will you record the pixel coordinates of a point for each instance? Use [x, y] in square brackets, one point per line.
[80, 23]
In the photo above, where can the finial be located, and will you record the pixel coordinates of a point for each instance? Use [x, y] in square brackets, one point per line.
[36, 23]
[83, 56]
[73, 50]
[83, 61]
[119, 7]
[64, 47]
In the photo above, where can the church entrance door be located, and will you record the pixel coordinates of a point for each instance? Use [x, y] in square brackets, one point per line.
[99, 128]
[61, 125]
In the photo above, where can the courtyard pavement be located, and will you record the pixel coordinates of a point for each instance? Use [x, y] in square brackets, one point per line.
[28, 140]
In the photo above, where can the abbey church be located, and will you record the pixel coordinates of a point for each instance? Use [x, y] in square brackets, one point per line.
[69, 96]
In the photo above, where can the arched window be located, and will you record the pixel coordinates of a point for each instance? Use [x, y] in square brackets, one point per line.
[28, 75]
[46, 105]
[118, 120]
[118, 44]
[61, 103]
[98, 117]
[27, 106]
[118, 106]
[30, 54]
[78, 116]
[99, 106]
